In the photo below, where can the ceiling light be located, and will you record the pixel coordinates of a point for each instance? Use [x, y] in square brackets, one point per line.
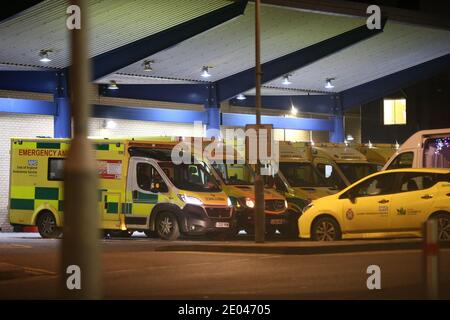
[240, 96]
[148, 65]
[113, 85]
[328, 83]
[286, 80]
[294, 110]
[205, 72]
[43, 54]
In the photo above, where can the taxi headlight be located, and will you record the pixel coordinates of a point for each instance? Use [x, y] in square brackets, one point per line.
[285, 204]
[190, 200]
[229, 203]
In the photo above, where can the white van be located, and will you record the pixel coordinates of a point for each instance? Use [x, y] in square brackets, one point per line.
[424, 149]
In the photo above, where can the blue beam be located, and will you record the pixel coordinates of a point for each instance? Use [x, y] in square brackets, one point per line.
[32, 81]
[119, 58]
[240, 120]
[245, 80]
[303, 103]
[27, 106]
[392, 83]
[182, 93]
[14, 8]
[147, 114]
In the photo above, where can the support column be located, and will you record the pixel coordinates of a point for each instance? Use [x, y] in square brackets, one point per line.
[212, 109]
[338, 134]
[62, 120]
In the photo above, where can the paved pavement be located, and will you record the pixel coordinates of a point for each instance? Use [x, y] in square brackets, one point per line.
[142, 268]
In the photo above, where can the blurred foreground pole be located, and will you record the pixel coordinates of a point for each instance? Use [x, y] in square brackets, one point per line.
[80, 242]
[431, 259]
[259, 184]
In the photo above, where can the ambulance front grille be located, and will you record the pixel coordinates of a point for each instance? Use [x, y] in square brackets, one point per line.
[216, 212]
[275, 205]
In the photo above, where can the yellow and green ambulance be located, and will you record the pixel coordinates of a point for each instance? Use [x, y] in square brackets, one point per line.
[140, 189]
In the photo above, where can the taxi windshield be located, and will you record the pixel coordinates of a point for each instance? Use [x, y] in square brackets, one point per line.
[356, 171]
[235, 174]
[190, 177]
[302, 175]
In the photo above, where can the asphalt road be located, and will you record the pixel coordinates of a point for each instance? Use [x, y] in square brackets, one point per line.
[133, 269]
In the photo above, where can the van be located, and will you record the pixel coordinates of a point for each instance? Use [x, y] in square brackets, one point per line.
[424, 149]
[140, 189]
[340, 164]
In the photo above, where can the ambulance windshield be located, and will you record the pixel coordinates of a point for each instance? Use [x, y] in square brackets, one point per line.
[302, 175]
[235, 174]
[356, 171]
[190, 177]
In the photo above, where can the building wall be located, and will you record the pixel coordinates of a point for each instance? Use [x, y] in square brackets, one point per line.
[427, 107]
[136, 128]
[14, 125]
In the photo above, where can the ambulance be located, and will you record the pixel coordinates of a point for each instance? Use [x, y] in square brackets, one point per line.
[424, 149]
[340, 164]
[140, 189]
[298, 179]
[237, 180]
[378, 153]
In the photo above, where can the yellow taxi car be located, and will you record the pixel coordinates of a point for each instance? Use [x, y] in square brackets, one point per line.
[390, 203]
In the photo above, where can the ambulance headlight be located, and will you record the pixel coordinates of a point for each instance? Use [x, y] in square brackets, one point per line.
[249, 203]
[190, 200]
[285, 204]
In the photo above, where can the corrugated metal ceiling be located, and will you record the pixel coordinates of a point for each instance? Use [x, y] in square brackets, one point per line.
[113, 23]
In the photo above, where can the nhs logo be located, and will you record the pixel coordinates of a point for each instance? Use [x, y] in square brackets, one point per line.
[32, 163]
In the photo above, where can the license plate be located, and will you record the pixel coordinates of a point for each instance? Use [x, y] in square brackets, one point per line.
[277, 221]
[222, 225]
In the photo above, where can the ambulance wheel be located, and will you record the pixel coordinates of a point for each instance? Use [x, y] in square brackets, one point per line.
[325, 229]
[167, 226]
[47, 227]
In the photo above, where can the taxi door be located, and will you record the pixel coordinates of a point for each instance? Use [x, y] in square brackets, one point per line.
[413, 200]
[365, 207]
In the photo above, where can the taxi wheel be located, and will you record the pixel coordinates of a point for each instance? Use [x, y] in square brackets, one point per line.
[167, 226]
[47, 227]
[443, 221]
[325, 229]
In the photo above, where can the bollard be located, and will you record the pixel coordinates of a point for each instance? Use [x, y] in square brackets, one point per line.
[431, 259]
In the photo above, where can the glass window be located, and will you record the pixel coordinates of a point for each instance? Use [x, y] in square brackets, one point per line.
[356, 171]
[55, 169]
[331, 175]
[148, 178]
[415, 181]
[378, 185]
[302, 175]
[235, 174]
[394, 111]
[403, 160]
[191, 177]
[436, 153]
